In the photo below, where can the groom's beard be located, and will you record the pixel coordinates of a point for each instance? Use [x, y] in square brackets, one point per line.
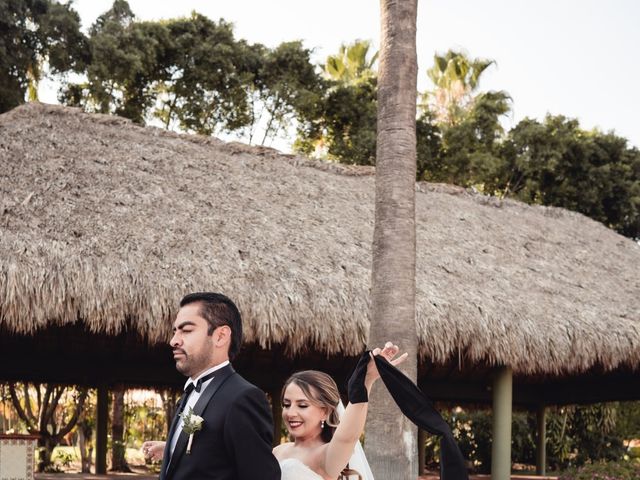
[190, 365]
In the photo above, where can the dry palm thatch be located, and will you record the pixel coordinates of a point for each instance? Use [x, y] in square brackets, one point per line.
[108, 223]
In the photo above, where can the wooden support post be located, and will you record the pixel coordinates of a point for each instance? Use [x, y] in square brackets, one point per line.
[276, 412]
[102, 419]
[502, 403]
[422, 439]
[541, 454]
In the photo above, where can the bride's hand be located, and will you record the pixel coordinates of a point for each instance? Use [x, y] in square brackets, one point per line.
[389, 352]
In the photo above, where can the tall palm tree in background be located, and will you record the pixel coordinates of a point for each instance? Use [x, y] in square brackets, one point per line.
[456, 78]
[390, 437]
[351, 64]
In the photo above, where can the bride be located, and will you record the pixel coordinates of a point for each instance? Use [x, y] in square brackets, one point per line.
[323, 441]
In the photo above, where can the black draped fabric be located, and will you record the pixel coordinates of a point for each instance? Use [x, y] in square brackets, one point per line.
[416, 407]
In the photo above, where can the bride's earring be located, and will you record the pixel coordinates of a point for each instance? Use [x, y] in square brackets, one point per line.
[322, 424]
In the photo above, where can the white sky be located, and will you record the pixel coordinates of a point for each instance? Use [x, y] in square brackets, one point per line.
[578, 58]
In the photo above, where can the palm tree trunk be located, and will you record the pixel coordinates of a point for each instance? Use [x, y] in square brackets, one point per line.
[390, 437]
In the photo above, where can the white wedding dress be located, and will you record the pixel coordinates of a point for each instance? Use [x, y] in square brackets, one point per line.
[294, 469]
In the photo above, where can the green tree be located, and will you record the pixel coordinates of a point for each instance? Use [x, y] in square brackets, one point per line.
[468, 152]
[628, 420]
[430, 161]
[352, 64]
[44, 411]
[455, 77]
[459, 128]
[285, 85]
[38, 36]
[581, 434]
[342, 125]
[188, 72]
[556, 163]
[123, 66]
[594, 430]
[206, 92]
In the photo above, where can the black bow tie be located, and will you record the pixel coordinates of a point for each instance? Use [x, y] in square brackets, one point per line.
[198, 385]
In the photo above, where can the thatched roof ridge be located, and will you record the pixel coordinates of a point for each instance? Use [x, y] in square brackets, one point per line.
[109, 223]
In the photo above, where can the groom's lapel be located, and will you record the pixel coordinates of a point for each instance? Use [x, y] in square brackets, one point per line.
[220, 377]
[172, 429]
[177, 417]
[198, 409]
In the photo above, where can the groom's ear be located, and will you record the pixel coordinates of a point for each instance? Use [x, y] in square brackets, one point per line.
[222, 336]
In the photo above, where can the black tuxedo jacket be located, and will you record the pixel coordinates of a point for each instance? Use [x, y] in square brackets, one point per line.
[235, 440]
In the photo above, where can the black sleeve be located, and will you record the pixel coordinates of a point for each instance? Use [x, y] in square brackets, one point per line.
[356, 391]
[248, 434]
[417, 408]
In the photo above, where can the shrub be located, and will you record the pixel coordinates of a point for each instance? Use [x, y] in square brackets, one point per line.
[604, 471]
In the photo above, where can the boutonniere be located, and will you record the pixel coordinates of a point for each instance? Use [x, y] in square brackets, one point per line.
[191, 423]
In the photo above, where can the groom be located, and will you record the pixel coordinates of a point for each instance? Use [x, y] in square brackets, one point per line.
[234, 440]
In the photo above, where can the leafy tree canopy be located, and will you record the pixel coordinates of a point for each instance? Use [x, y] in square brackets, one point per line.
[192, 74]
[36, 33]
[352, 64]
[287, 83]
[343, 125]
[455, 77]
[556, 163]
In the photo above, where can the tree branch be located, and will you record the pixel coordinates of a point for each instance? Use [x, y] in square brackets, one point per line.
[76, 414]
[21, 413]
[272, 112]
[27, 400]
[58, 391]
[38, 400]
[44, 410]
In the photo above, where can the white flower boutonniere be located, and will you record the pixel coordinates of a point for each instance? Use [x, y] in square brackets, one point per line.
[191, 423]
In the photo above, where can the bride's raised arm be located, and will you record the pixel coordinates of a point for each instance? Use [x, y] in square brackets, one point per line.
[340, 448]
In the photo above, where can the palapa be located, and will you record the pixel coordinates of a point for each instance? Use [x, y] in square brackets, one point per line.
[110, 223]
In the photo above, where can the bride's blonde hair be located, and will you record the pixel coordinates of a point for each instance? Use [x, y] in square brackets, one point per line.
[322, 391]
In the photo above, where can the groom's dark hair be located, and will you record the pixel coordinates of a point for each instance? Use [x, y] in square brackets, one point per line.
[218, 310]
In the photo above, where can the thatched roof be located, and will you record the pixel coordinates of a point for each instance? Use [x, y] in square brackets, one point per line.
[109, 223]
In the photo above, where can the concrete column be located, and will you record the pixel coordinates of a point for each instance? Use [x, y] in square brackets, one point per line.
[102, 419]
[541, 453]
[502, 401]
